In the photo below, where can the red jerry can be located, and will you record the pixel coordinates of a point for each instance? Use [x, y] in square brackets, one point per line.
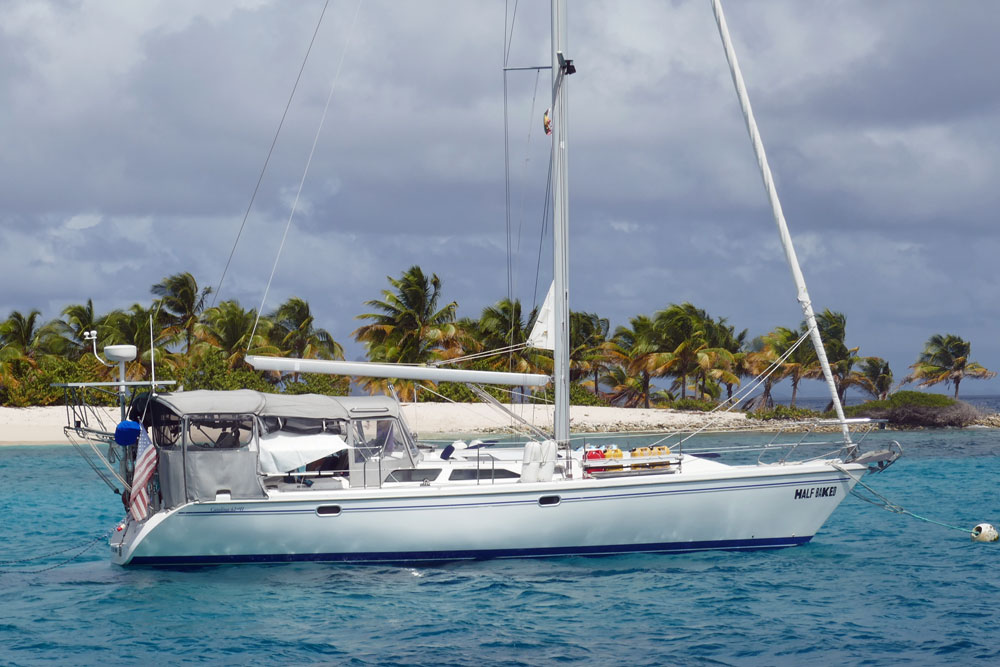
[592, 454]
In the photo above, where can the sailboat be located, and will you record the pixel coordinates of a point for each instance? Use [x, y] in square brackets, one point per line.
[244, 477]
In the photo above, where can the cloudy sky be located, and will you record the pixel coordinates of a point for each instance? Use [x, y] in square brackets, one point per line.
[132, 136]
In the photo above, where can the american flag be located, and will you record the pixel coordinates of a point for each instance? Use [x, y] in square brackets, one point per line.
[145, 465]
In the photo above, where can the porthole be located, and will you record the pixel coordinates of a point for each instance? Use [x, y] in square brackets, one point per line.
[549, 501]
[328, 510]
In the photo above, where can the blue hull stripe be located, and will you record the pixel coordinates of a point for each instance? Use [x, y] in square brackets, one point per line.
[532, 500]
[477, 554]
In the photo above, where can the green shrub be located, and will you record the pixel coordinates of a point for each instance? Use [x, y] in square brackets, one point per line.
[577, 396]
[784, 412]
[32, 385]
[459, 393]
[314, 383]
[693, 404]
[210, 371]
[916, 408]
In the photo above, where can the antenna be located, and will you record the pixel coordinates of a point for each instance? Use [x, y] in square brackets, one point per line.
[152, 358]
[92, 337]
[119, 353]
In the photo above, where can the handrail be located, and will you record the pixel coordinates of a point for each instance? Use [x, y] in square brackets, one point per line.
[130, 383]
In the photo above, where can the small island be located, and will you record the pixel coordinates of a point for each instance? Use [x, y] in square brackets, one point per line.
[678, 369]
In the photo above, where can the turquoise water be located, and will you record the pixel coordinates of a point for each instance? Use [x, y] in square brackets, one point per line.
[873, 587]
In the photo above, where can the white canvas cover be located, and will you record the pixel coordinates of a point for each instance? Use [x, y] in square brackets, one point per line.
[239, 401]
[282, 452]
[247, 401]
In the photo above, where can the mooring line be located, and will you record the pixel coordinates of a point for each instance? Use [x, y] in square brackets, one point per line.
[84, 548]
[886, 504]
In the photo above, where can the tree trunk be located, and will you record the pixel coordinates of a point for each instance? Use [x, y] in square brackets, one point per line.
[768, 402]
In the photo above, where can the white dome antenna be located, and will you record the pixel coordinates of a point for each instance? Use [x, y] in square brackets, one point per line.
[120, 352]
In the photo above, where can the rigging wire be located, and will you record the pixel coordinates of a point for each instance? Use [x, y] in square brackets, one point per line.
[541, 235]
[508, 36]
[93, 466]
[482, 355]
[467, 406]
[527, 160]
[510, 20]
[514, 239]
[760, 379]
[305, 172]
[270, 150]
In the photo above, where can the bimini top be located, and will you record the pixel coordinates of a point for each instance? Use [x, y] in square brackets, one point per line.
[247, 401]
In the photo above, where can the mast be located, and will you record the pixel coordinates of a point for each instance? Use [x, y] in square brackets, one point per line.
[561, 67]
[779, 216]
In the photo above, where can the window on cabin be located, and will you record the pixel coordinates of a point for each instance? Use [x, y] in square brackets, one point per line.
[303, 425]
[373, 437]
[413, 475]
[219, 432]
[463, 474]
[166, 429]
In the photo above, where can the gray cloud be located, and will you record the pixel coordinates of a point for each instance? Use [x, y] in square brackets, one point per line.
[132, 136]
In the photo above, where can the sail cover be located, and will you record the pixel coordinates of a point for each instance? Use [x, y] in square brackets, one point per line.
[543, 335]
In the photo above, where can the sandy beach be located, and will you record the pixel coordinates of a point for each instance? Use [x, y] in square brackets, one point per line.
[44, 426]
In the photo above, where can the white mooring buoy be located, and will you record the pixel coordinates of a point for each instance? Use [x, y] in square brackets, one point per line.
[984, 532]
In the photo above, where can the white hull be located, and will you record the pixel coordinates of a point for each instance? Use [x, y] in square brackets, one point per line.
[707, 506]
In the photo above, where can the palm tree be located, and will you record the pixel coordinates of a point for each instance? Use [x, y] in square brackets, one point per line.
[502, 325]
[801, 363]
[724, 336]
[680, 335]
[227, 327]
[626, 390]
[695, 346]
[132, 327]
[25, 337]
[22, 343]
[878, 377]
[409, 327]
[833, 329]
[635, 358]
[467, 341]
[946, 359]
[292, 331]
[182, 302]
[587, 335]
[759, 362]
[77, 320]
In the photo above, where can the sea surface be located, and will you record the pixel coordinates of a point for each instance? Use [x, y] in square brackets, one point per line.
[872, 588]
